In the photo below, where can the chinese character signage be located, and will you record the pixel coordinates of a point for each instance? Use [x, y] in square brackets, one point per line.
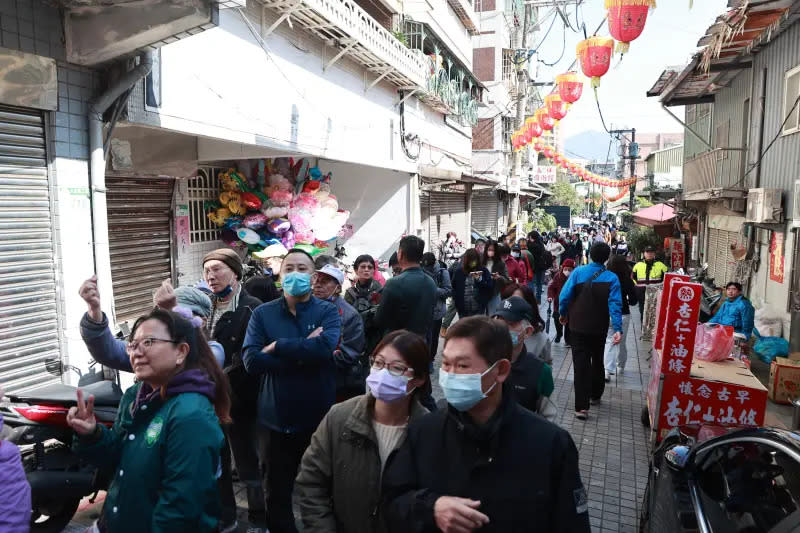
[540, 174]
[662, 306]
[776, 257]
[683, 309]
[686, 400]
[677, 253]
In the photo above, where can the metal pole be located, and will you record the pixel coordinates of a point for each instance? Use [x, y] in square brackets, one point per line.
[633, 169]
[520, 39]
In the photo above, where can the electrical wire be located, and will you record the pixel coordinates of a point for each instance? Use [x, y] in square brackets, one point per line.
[761, 156]
[552, 23]
[600, 112]
[563, 49]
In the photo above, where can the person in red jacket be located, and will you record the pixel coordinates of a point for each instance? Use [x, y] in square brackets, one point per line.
[553, 290]
[516, 270]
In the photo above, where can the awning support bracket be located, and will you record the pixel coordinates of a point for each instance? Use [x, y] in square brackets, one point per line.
[280, 19]
[378, 79]
[410, 93]
[682, 123]
[350, 43]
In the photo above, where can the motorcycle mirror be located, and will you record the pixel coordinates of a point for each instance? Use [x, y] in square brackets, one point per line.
[677, 456]
[54, 366]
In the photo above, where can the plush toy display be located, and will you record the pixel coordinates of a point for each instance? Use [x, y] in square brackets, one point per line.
[285, 204]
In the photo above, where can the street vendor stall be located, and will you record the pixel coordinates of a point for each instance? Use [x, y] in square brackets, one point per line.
[684, 390]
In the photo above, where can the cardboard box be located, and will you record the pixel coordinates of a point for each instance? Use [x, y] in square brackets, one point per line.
[784, 380]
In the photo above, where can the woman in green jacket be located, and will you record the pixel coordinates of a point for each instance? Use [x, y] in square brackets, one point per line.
[339, 485]
[164, 447]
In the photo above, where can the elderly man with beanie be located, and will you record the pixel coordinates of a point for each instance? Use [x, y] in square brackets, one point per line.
[591, 297]
[351, 365]
[289, 348]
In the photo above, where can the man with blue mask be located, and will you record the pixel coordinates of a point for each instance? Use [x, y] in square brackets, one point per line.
[484, 461]
[531, 379]
[351, 364]
[289, 345]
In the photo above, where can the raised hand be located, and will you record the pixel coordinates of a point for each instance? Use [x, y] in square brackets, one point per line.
[91, 295]
[164, 297]
[81, 418]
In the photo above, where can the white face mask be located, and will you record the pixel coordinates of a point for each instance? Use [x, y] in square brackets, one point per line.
[515, 255]
[567, 272]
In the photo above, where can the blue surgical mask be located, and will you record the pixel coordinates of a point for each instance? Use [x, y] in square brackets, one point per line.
[514, 337]
[224, 292]
[297, 283]
[463, 391]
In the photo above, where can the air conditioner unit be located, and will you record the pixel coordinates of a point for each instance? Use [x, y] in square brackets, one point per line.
[765, 206]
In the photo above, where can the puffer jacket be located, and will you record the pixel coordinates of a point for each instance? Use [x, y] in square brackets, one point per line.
[444, 289]
[738, 313]
[339, 485]
[15, 493]
[165, 454]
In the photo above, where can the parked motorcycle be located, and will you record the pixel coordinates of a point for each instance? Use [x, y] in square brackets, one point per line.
[36, 421]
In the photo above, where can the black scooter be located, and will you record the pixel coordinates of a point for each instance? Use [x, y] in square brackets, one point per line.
[36, 421]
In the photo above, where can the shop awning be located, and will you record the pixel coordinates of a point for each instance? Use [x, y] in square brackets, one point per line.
[655, 215]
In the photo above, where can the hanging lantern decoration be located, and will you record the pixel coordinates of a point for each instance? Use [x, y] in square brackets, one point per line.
[538, 146]
[548, 152]
[594, 55]
[565, 164]
[570, 87]
[535, 128]
[556, 159]
[544, 119]
[556, 107]
[626, 20]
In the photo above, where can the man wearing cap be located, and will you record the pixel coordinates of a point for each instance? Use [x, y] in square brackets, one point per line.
[289, 348]
[351, 367]
[647, 272]
[531, 379]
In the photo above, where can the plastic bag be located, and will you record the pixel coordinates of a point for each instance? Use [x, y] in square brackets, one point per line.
[768, 348]
[713, 342]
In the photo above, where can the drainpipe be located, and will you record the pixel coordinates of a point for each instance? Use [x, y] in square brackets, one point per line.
[97, 178]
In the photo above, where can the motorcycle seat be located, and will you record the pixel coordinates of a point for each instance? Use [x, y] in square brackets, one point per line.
[106, 393]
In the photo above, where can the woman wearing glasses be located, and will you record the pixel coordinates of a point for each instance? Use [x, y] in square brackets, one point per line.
[164, 447]
[340, 476]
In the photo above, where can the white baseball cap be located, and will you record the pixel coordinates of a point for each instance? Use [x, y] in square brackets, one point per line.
[333, 272]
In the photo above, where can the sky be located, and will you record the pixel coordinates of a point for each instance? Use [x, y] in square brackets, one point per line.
[669, 39]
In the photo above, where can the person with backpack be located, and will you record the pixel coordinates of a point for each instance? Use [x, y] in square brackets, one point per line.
[444, 289]
[542, 260]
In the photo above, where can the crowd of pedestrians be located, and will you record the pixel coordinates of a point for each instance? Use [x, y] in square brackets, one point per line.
[318, 395]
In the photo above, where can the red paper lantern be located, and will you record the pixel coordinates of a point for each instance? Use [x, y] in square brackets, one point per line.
[565, 164]
[613, 198]
[626, 20]
[594, 55]
[537, 146]
[544, 119]
[536, 128]
[570, 87]
[556, 107]
[548, 152]
[556, 159]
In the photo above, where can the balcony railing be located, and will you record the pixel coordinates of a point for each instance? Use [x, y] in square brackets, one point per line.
[700, 172]
[359, 36]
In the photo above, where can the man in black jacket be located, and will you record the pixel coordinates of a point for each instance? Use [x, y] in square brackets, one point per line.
[484, 462]
[230, 314]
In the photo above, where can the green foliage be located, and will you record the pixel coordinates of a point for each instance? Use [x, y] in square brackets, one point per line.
[541, 221]
[640, 237]
[564, 194]
[400, 36]
[642, 202]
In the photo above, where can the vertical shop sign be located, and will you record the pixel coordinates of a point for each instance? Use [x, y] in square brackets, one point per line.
[683, 309]
[182, 233]
[776, 257]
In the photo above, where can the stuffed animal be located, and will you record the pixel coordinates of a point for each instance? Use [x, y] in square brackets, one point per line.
[218, 216]
[275, 212]
[255, 221]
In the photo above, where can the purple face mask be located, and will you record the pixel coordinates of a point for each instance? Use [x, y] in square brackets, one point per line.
[386, 387]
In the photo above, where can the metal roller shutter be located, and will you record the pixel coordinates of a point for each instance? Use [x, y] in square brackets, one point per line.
[721, 265]
[139, 229]
[484, 213]
[29, 317]
[443, 212]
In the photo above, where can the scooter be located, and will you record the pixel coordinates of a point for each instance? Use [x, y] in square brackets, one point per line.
[712, 295]
[36, 421]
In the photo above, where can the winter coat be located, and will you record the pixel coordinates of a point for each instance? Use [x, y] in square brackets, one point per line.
[590, 301]
[15, 492]
[365, 300]
[499, 267]
[523, 470]
[516, 270]
[628, 289]
[555, 248]
[339, 484]
[540, 262]
[738, 313]
[109, 351]
[483, 290]
[407, 303]
[298, 379]
[165, 455]
[554, 289]
[444, 289]
[349, 354]
[530, 379]
[574, 251]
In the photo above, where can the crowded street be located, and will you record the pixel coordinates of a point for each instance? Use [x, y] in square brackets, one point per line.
[375, 266]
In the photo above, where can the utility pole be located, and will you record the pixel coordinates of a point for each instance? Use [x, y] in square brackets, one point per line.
[633, 155]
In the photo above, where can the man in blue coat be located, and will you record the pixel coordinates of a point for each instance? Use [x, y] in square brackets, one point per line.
[589, 299]
[736, 311]
[290, 342]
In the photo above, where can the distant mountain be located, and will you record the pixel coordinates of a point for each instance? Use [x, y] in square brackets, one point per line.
[590, 145]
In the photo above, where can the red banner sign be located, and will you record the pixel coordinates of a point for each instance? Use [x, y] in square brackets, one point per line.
[662, 306]
[683, 310]
[677, 253]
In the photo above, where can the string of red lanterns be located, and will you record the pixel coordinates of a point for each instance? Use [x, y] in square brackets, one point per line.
[560, 160]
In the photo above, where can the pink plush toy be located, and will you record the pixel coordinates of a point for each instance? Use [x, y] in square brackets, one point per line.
[280, 197]
[275, 212]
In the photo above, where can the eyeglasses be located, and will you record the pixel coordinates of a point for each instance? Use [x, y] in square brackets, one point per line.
[395, 369]
[146, 344]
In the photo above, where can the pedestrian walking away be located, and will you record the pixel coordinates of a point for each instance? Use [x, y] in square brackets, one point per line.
[289, 346]
[339, 485]
[484, 462]
[616, 354]
[553, 292]
[590, 297]
[541, 263]
[168, 426]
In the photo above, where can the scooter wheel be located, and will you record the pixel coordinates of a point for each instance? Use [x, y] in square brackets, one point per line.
[52, 516]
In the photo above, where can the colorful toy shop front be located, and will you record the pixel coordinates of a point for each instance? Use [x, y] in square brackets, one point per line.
[276, 205]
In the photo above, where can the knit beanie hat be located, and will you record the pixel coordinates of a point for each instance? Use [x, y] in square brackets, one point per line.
[227, 256]
[194, 299]
[568, 263]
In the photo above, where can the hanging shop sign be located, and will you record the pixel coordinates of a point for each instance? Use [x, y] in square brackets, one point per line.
[677, 253]
[776, 257]
[542, 174]
[182, 230]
